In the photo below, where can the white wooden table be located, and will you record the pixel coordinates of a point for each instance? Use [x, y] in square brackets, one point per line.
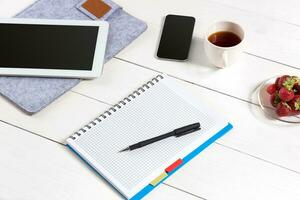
[259, 159]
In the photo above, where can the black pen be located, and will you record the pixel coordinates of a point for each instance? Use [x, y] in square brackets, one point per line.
[177, 133]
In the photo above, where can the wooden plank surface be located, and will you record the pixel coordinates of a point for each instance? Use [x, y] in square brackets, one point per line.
[269, 38]
[32, 168]
[75, 109]
[59, 120]
[236, 177]
[55, 173]
[259, 159]
[264, 139]
[35, 168]
[287, 11]
[261, 140]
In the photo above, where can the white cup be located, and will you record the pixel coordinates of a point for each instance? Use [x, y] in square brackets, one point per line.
[224, 56]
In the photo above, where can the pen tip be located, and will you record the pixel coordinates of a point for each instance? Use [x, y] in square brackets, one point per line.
[126, 149]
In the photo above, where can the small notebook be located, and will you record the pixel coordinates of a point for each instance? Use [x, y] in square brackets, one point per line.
[158, 107]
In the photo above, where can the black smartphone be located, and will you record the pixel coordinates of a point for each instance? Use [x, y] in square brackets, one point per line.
[176, 37]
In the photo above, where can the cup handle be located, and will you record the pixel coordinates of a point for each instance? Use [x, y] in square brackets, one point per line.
[225, 58]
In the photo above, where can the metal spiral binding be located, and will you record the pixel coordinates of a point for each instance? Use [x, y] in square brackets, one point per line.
[117, 106]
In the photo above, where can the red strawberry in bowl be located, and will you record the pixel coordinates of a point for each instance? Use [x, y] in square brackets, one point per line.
[274, 99]
[295, 104]
[271, 89]
[296, 88]
[285, 94]
[283, 109]
[279, 82]
[290, 82]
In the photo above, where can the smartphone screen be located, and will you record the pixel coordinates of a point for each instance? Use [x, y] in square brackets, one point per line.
[176, 37]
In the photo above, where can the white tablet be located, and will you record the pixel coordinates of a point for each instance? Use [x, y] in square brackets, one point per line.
[52, 48]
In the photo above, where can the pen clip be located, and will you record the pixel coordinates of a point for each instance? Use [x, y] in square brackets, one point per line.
[187, 132]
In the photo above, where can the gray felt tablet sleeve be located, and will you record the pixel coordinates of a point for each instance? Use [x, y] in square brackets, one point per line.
[34, 94]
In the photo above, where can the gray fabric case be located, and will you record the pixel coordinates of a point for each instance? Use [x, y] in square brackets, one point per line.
[33, 94]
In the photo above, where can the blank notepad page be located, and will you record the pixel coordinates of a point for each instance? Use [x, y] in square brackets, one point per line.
[158, 109]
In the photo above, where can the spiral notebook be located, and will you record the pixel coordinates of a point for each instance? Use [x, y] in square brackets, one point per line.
[159, 106]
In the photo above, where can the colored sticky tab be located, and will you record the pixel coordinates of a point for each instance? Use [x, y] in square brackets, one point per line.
[96, 7]
[158, 179]
[174, 165]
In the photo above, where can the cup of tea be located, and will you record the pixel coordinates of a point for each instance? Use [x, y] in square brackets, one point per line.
[223, 43]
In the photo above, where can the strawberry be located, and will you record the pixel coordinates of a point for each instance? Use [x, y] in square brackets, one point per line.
[271, 89]
[281, 80]
[296, 88]
[295, 113]
[276, 82]
[274, 99]
[285, 94]
[283, 109]
[290, 82]
[295, 103]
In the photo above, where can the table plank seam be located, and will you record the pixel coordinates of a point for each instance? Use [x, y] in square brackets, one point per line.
[256, 13]
[176, 188]
[139, 65]
[84, 95]
[31, 132]
[270, 60]
[258, 158]
[190, 82]
[245, 52]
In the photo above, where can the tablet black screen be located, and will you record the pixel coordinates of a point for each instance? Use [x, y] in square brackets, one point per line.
[47, 46]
